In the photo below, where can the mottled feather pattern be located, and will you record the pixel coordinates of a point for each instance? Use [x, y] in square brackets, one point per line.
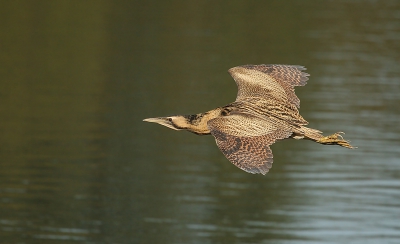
[244, 125]
[251, 154]
[288, 76]
[268, 108]
[245, 139]
[252, 83]
[265, 110]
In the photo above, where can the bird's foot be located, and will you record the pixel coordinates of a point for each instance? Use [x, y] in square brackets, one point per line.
[335, 139]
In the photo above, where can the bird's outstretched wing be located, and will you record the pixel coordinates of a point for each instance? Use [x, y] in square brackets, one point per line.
[273, 81]
[245, 139]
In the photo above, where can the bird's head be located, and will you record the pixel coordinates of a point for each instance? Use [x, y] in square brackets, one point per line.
[177, 122]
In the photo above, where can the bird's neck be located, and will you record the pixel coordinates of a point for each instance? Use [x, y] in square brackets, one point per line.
[197, 123]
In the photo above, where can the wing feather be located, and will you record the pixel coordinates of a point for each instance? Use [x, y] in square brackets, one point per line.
[247, 147]
[272, 81]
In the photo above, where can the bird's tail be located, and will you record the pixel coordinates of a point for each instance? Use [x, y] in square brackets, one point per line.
[334, 139]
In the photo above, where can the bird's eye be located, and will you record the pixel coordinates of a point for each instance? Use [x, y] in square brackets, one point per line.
[224, 112]
[170, 119]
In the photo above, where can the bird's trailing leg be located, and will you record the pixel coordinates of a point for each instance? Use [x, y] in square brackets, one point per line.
[335, 139]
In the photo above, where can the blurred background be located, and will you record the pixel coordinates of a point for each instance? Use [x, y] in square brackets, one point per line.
[78, 165]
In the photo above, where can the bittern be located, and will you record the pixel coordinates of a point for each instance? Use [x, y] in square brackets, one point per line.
[266, 110]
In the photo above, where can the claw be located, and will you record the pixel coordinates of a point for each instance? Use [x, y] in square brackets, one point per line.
[339, 134]
[335, 139]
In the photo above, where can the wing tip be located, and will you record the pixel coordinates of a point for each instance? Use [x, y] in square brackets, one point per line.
[269, 67]
[260, 169]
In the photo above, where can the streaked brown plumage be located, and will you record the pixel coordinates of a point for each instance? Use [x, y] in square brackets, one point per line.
[265, 110]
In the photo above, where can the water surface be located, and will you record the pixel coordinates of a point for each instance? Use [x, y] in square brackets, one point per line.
[78, 165]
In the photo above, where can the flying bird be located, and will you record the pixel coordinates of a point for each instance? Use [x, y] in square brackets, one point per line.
[266, 110]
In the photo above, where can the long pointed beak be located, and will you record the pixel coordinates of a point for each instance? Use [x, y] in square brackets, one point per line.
[155, 120]
[162, 121]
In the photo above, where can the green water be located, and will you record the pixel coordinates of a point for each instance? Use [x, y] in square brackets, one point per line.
[78, 165]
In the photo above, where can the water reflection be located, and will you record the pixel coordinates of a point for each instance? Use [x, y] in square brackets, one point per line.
[78, 165]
